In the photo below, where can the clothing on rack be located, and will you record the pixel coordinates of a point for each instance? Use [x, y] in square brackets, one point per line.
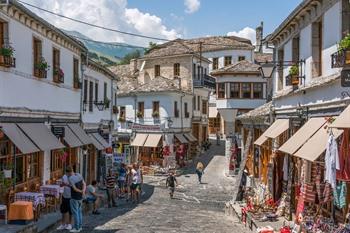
[285, 168]
[331, 161]
[344, 157]
[340, 195]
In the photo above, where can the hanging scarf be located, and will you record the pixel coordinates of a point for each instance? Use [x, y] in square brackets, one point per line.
[344, 157]
[331, 161]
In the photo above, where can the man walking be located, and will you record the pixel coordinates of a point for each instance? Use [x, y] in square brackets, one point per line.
[78, 187]
[110, 182]
[171, 182]
[65, 204]
[217, 138]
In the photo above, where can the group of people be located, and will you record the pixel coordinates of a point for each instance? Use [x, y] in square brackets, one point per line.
[126, 182]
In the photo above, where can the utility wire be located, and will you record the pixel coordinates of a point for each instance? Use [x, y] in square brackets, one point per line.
[93, 25]
[108, 43]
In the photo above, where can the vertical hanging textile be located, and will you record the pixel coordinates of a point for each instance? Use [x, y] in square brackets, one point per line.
[344, 157]
[340, 195]
[285, 168]
[331, 161]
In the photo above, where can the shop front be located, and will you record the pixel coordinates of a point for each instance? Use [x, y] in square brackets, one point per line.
[181, 147]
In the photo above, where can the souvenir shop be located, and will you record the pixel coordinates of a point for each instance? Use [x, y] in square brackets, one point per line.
[307, 176]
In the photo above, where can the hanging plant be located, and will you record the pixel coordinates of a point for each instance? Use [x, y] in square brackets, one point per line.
[63, 155]
[7, 51]
[42, 65]
[139, 114]
[294, 70]
[344, 44]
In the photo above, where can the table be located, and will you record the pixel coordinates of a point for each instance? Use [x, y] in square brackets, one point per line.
[53, 190]
[36, 198]
[4, 208]
[21, 210]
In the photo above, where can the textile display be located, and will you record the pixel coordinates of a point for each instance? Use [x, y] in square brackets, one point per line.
[331, 161]
[340, 195]
[344, 157]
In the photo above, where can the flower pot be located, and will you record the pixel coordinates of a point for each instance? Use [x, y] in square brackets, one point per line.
[347, 56]
[7, 173]
[295, 80]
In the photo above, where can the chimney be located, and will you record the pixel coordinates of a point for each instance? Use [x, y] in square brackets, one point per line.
[259, 37]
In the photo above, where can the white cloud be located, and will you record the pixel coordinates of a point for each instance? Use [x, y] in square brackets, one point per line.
[192, 6]
[108, 13]
[247, 32]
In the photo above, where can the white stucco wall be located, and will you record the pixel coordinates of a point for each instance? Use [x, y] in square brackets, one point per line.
[18, 86]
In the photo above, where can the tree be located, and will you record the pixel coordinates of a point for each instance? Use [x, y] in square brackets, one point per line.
[151, 45]
[127, 58]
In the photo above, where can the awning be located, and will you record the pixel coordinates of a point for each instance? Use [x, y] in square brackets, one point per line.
[343, 120]
[302, 135]
[213, 112]
[283, 125]
[41, 136]
[139, 140]
[96, 143]
[317, 144]
[181, 138]
[190, 137]
[22, 142]
[70, 138]
[275, 128]
[101, 140]
[80, 133]
[153, 140]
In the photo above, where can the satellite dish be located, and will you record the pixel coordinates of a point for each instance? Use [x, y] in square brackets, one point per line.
[143, 65]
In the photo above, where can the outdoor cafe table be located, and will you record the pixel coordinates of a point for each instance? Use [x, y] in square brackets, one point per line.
[51, 189]
[36, 198]
[21, 210]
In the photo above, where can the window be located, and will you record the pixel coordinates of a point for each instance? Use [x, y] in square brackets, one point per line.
[241, 58]
[221, 90]
[122, 112]
[91, 96]
[115, 98]
[198, 72]
[177, 69]
[56, 65]
[204, 107]
[187, 114]
[228, 60]
[205, 71]
[246, 89]
[198, 103]
[156, 70]
[176, 110]
[75, 73]
[96, 92]
[215, 63]
[85, 90]
[56, 161]
[155, 107]
[37, 53]
[194, 71]
[257, 90]
[104, 91]
[3, 29]
[194, 102]
[234, 90]
[33, 166]
[141, 109]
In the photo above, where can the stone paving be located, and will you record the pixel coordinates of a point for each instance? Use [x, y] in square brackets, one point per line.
[195, 207]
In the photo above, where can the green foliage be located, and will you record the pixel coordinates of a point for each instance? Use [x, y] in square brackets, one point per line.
[151, 45]
[5, 183]
[155, 114]
[139, 114]
[107, 102]
[42, 65]
[7, 51]
[345, 43]
[128, 57]
[294, 70]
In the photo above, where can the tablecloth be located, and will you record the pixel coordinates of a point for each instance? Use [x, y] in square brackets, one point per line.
[53, 190]
[21, 210]
[36, 198]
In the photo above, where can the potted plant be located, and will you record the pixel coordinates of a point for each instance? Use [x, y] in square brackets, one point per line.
[58, 75]
[294, 74]
[8, 170]
[107, 102]
[6, 54]
[139, 114]
[41, 68]
[155, 114]
[344, 46]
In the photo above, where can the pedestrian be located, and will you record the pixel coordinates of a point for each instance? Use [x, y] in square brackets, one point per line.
[110, 185]
[217, 138]
[78, 187]
[200, 171]
[65, 209]
[121, 179]
[93, 197]
[128, 183]
[135, 189]
[140, 179]
[171, 182]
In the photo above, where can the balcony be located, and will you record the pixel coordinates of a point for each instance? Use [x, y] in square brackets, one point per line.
[341, 58]
[7, 61]
[204, 81]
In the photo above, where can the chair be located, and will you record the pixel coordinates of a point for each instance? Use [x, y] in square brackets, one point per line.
[4, 208]
[50, 203]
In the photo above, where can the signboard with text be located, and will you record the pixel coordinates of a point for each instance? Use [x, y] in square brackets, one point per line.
[345, 78]
[145, 127]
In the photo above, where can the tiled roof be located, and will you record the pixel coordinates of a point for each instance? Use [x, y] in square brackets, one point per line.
[263, 57]
[239, 67]
[128, 79]
[190, 46]
[316, 82]
[259, 112]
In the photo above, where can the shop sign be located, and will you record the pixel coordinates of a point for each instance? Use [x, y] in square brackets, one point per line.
[145, 127]
[345, 78]
[58, 131]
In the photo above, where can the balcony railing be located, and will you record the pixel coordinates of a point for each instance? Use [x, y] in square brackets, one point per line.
[341, 58]
[7, 61]
[204, 81]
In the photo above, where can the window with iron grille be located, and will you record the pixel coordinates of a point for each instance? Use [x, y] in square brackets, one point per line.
[215, 63]
[221, 90]
[228, 60]
[96, 92]
[176, 110]
[234, 90]
[75, 73]
[156, 70]
[177, 69]
[91, 96]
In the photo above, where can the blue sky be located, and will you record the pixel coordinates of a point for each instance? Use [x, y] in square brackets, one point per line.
[168, 19]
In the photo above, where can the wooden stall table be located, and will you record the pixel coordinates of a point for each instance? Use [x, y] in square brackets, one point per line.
[21, 210]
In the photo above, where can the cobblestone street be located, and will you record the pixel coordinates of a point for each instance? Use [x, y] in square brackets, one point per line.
[195, 208]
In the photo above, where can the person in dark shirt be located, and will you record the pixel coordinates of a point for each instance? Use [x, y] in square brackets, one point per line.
[110, 183]
[171, 182]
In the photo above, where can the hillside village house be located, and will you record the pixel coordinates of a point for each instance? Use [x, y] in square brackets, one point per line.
[308, 105]
[41, 103]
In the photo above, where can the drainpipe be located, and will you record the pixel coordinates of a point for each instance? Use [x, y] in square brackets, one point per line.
[182, 119]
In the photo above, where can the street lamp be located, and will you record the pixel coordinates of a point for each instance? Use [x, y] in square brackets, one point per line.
[267, 69]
